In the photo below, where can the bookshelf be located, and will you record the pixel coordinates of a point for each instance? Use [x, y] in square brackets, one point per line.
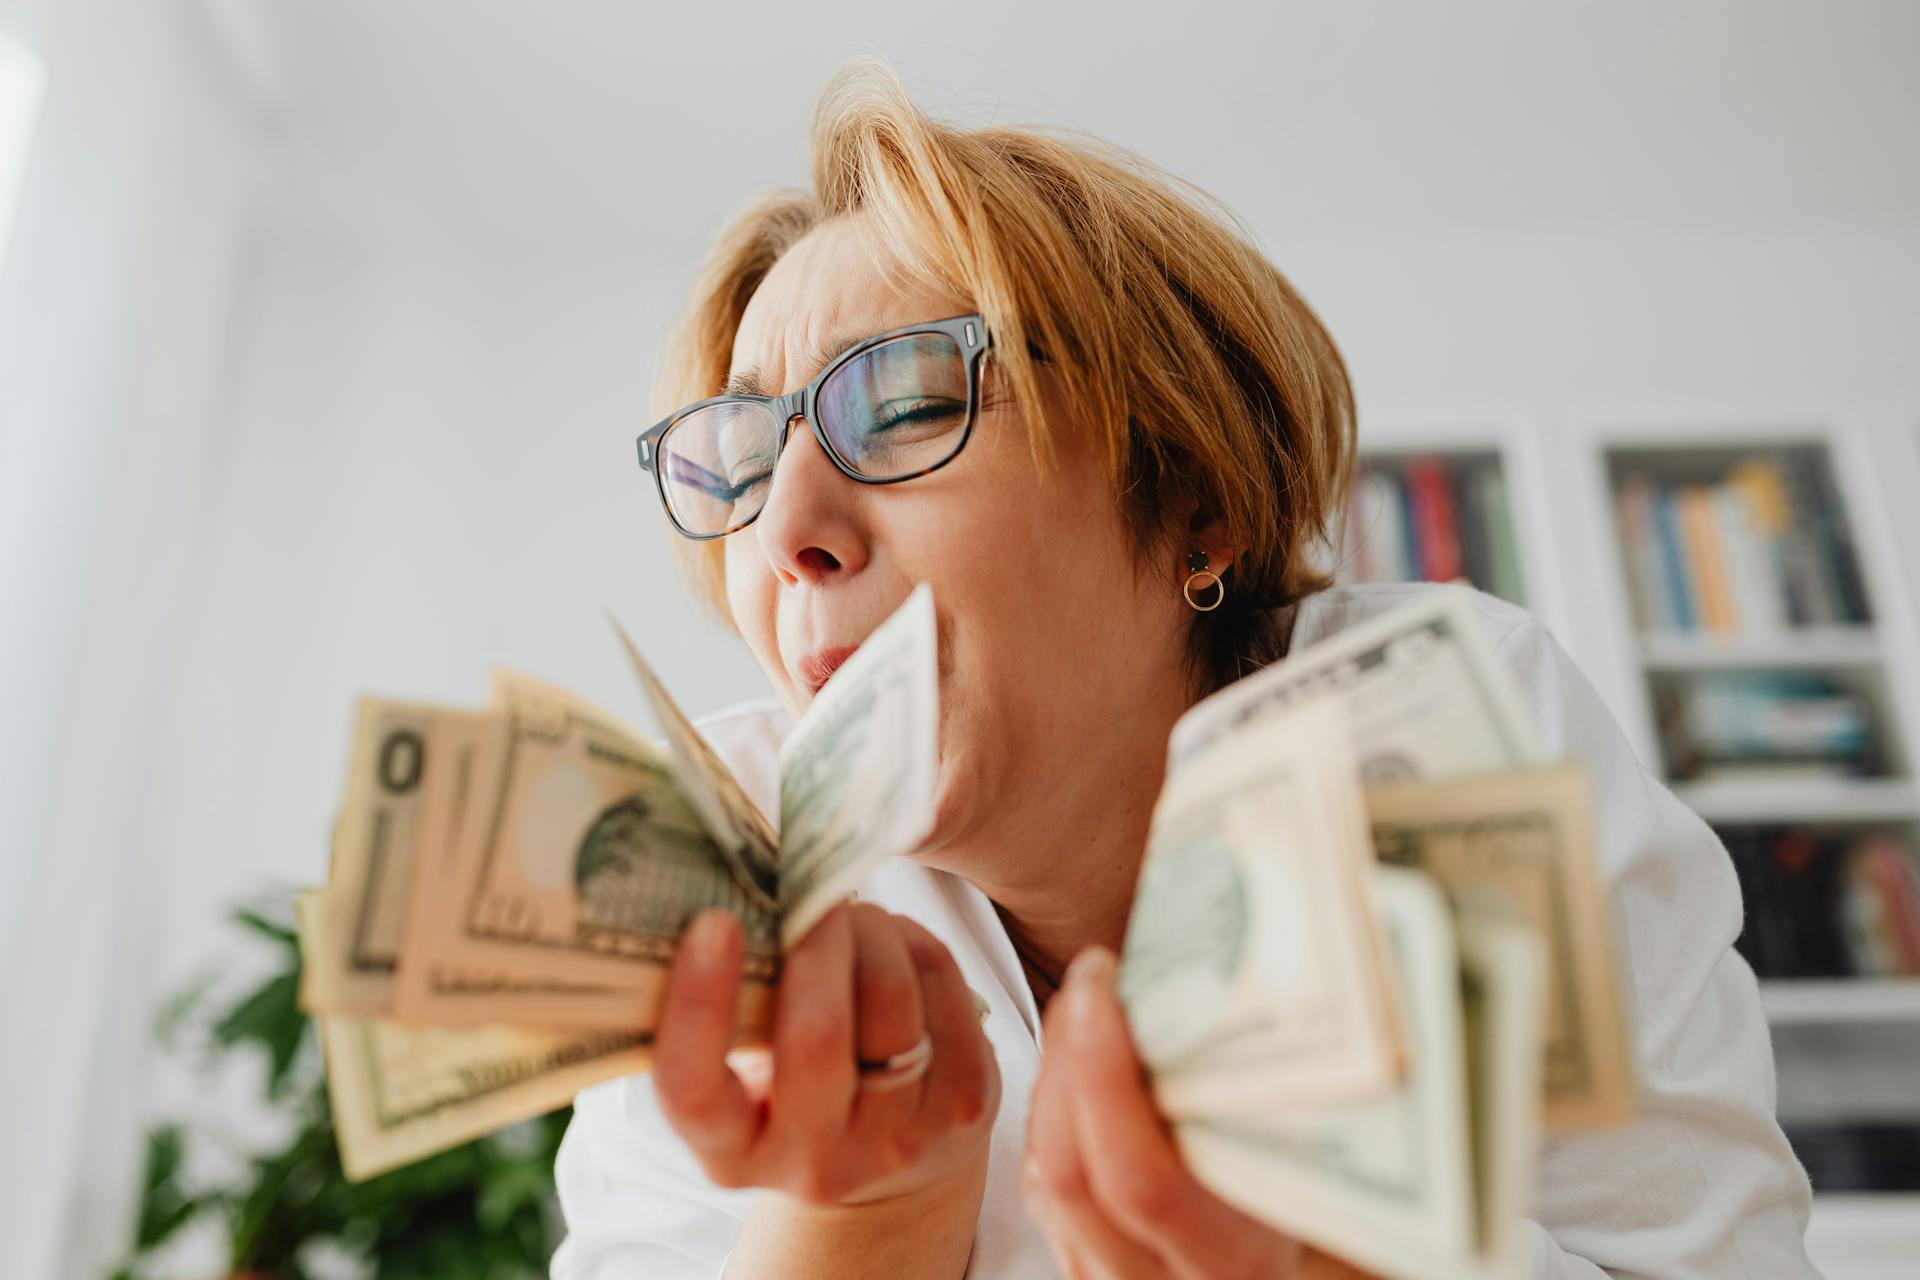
[1772, 668]
[1824, 1001]
[1837, 802]
[1812, 646]
[1440, 510]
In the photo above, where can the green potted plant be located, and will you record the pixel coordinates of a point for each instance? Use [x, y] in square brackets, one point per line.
[483, 1211]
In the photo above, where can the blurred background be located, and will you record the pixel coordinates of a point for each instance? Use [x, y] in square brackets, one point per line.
[326, 327]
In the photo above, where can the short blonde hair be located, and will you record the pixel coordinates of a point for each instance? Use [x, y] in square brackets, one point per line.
[1188, 356]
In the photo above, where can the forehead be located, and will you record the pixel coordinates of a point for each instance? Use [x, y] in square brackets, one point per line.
[837, 284]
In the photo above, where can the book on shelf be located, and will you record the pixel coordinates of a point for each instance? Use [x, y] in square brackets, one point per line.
[1436, 521]
[1767, 726]
[1862, 1156]
[1762, 549]
[1827, 906]
[1433, 520]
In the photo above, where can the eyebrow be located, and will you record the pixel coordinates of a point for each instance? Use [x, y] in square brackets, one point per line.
[752, 382]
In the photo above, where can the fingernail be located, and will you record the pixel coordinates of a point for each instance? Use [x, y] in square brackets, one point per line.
[1089, 982]
[1095, 965]
[707, 937]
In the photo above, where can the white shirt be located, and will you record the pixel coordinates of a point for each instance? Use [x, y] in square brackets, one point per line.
[1701, 1184]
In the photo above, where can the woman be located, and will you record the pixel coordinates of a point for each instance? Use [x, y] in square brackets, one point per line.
[1158, 403]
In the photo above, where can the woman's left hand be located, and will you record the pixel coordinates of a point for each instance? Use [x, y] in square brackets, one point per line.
[1103, 1178]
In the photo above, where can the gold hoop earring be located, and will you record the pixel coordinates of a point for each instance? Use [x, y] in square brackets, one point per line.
[1197, 562]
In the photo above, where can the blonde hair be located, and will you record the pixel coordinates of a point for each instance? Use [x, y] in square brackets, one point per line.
[1188, 356]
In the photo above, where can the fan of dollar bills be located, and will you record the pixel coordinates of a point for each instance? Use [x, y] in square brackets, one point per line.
[1368, 962]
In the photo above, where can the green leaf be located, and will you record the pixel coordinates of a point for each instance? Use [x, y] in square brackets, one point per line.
[280, 933]
[163, 1156]
[482, 1211]
[165, 1206]
[174, 1013]
[509, 1189]
[271, 1018]
[264, 1015]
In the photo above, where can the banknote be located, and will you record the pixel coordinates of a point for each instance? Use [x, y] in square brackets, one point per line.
[395, 756]
[736, 824]
[440, 981]
[1254, 972]
[1424, 696]
[401, 1093]
[373, 845]
[1503, 985]
[1423, 1183]
[858, 773]
[507, 887]
[1520, 845]
[565, 851]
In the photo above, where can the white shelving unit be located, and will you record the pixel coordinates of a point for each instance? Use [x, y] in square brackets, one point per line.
[1839, 1028]
[1471, 447]
[1562, 507]
[1815, 648]
[1825, 1001]
[1865, 1237]
[1816, 801]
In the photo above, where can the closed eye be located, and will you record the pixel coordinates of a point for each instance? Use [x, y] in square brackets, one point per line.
[899, 413]
[695, 476]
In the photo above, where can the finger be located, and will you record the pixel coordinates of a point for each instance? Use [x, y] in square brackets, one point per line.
[889, 1019]
[1135, 1171]
[1060, 1197]
[699, 1094]
[813, 1046]
[1086, 1243]
[888, 1016]
[963, 1082]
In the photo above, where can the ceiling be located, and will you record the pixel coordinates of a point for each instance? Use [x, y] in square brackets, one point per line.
[588, 123]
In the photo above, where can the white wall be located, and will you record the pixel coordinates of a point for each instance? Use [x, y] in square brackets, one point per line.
[114, 308]
[430, 472]
[379, 438]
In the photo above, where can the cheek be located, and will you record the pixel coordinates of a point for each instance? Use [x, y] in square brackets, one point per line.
[1047, 604]
[753, 599]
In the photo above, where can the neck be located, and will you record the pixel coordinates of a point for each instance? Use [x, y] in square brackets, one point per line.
[1061, 864]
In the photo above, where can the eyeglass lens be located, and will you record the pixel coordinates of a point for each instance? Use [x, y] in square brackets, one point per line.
[893, 411]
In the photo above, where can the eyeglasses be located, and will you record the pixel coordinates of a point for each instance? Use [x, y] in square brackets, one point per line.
[893, 407]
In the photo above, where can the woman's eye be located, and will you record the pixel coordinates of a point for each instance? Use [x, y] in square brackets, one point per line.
[748, 476]
[894, 414]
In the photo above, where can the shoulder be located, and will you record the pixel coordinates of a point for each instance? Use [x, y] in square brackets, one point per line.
[1569, 717]
[1337, 609]
[747, 737]
[755, 719]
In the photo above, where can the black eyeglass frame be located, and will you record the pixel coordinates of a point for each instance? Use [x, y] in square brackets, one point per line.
[968, 332]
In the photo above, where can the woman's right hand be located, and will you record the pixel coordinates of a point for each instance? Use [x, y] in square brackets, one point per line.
[863, 985]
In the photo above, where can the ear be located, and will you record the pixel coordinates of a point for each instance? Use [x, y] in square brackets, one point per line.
[1205, 532]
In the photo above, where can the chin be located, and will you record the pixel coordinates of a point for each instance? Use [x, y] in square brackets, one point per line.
[954, 790]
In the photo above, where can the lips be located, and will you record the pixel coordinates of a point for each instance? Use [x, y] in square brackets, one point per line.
[816, 668]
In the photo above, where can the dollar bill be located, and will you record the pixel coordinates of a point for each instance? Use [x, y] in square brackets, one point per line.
[1503, 983]
[1254, 973]
[441, 982]
[859, 771]
[736, 824]
[570, 854]
[1424, 696]
[397, 753]
[1425, 1182]
[508, 887]
[1520, 846]
[401, 1093]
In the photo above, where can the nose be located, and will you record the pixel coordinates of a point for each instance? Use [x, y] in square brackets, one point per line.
[810, 530]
